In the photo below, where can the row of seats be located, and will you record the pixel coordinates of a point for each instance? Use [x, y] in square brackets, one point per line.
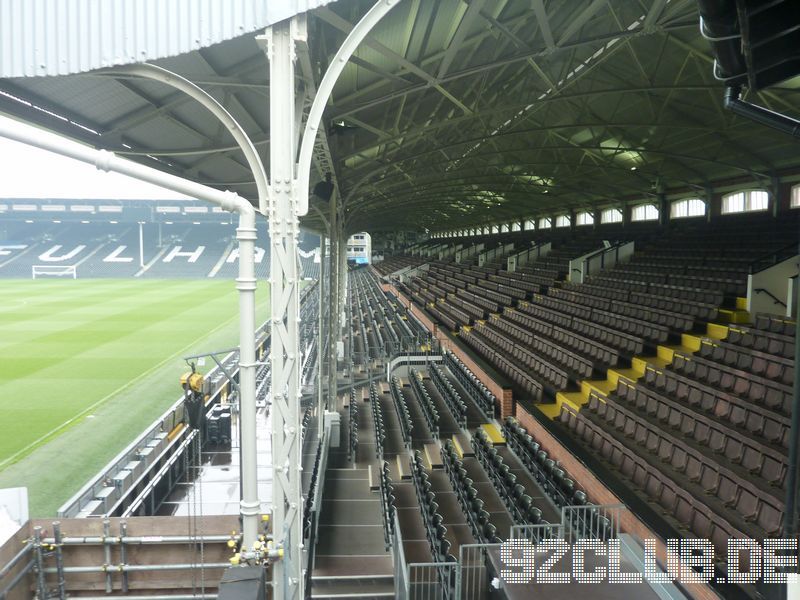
[472, 311]
[596, 342]
[449, 393]
[434, 528]
[776, 324]
[426, 402]
[761, 340]
[519, 504]
[545, 470]
[401, 406]
[487, 304]
[675, 321]
[494, 295]
[458, 315]
[479, 393]
[472, 506]
[377, 419]
[769, 366]
[353, 426]
[395, 263]
[692, 514]
[717, 476]
[308, 505]
[543, 359]
[633, 284]
[756, 457]
[507, 365]
[528, 328]
[760, 390]
[388, 504]
[719, 405]
[561, 312]
[515, 281]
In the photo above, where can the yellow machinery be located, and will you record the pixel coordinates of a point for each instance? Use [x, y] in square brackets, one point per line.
[194, 397]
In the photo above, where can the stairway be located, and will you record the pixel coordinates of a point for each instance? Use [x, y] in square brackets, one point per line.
[351, 560]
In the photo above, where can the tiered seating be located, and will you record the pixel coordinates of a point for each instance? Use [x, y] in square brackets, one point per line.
[763, 339]
[670, 319]
[449, 393]
[723, 406]
[396, 263]
[388, 502]
[403, 413]
[308, 517]
[543, 357]
[428, 407]
[665, 298]
[605, 351]
[772, 394]
[706, 441]
[434, 528]
[547, 472]
[353, 426]
[519, 504]
[377, 417]
[479, 393]
[506, 364]
[472, 506]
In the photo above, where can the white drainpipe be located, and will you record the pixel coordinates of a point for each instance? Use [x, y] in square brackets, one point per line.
[246, 281]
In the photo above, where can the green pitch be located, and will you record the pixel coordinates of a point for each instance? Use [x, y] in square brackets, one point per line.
[86, 364]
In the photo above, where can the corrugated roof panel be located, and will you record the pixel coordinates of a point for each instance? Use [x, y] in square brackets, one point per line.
[58, 37]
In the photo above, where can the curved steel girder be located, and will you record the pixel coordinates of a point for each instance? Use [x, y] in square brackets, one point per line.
[425, 130]
[599, 148]
[438, 197]
[155, 73]
[478, 69]
[362, 29]
[396, 179]
[257, 141]
[510, 206]
[400, 216]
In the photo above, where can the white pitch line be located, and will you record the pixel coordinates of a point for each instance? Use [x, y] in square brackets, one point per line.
[11, 459]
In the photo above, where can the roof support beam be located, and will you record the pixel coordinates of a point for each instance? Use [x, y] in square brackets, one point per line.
[544, 24]
[473, 11]
[336, 21]
[581, 20]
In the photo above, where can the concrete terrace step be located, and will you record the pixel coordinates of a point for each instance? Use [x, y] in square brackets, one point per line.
[352, 586]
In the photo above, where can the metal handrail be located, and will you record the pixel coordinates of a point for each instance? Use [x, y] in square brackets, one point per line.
[772, 258]
[771, 295]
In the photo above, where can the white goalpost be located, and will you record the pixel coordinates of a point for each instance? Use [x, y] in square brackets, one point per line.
[38, 271]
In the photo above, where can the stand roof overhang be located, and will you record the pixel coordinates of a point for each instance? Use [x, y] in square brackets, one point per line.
[451, 114]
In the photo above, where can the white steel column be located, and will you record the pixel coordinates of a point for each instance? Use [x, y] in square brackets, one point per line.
[249, 505]
[333, 312]
[141, 244]
[321, 341]
[287, 505]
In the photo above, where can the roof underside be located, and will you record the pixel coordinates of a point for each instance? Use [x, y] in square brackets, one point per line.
[454, 114]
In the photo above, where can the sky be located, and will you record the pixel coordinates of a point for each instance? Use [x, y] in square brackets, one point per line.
[28, 172]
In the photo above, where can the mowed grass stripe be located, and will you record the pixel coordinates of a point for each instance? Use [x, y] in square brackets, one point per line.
[34, 417]
[66, 362]
[95, 328]
[74, 309]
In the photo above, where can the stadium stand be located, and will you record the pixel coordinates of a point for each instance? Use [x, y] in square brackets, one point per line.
[179, 248]
[646, 365]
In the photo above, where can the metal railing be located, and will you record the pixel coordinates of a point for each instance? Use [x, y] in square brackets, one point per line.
[475, 572]
[765, 261]
[771, 295]
[604, 258]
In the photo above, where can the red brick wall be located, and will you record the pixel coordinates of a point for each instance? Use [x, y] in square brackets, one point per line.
[600, 494]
